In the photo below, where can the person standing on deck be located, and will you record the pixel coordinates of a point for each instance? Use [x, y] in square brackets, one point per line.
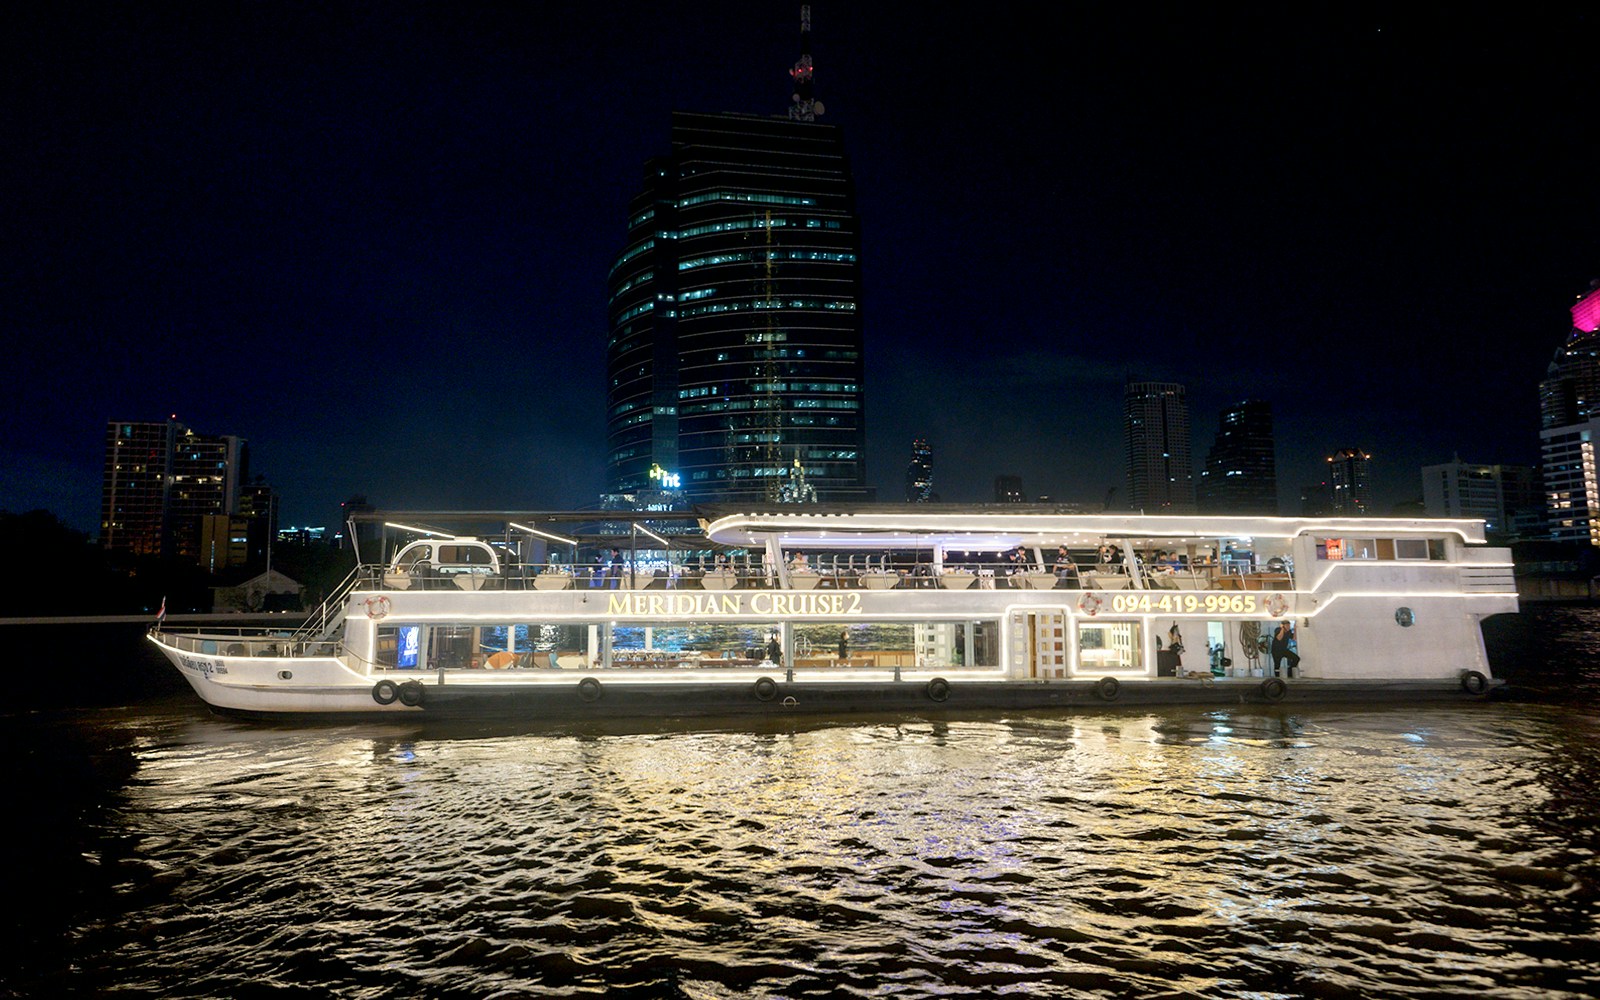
[1281, 650]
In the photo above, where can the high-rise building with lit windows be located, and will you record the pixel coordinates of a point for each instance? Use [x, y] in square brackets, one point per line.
[1569, 411]
[1349, 482]
[161, 481]
[735, 353]
[1155, 422]
[919, 473]
[1241, 472]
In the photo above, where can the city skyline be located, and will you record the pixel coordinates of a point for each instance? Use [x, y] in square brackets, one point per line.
[369, 244]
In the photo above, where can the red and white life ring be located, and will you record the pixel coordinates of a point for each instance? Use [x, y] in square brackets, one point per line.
[1277, 604]
[1090, 603]
[377, 607]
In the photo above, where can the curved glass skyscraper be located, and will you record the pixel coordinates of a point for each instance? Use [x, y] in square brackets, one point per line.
[734, 359]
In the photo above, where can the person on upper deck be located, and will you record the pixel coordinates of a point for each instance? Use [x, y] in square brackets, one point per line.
[1066, 570]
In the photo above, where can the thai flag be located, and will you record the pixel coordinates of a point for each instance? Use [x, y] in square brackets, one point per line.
[162, 614]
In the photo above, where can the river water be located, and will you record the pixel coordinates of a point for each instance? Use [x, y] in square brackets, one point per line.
[154, 849]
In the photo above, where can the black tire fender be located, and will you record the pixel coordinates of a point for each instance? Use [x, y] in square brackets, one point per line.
[590, 690]
[1273, 689]
[939, 689]
[385, 692]
[766, 688]
[411, 694]
[1107, 688]
[1474, 682]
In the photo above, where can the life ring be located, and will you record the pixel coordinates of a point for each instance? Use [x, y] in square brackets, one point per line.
[590, 690]
[938, 689]
[377, 607]
[1277, 604]
[1107, 688]
[1473, 682]
[766, 689]
[411, 694]
[1090, 603]
[1273, 689]
[385, 692]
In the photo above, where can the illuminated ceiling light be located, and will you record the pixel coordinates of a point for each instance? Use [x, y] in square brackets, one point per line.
[542, 534]
[639, 527]
[419, 531]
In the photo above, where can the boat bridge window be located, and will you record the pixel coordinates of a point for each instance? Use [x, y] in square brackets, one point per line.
[1337, 549]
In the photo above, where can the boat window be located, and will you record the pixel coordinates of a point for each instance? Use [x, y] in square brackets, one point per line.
[1110, 647]
[412, 556]
[1411, 548]
[1335, 549]
[398, 646]
[942, 645]
[464, 555]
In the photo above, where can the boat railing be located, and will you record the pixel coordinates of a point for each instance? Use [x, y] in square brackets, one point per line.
[246, 642]
[824, 572]
[320, 623]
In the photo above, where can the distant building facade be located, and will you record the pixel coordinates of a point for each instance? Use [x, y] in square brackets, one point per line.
[1571, 486]
[1241, 469]
[735, 350]
[162, 487]
[1497, 494]
[1008, 489]
[1156, 431]
[1315, 500]
[1569, 417]
[919, 474]
[1349, 483]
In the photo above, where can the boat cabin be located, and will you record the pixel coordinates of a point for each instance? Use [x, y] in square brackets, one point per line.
[464, 563]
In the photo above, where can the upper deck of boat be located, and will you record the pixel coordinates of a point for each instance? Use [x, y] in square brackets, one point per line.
[906, 546]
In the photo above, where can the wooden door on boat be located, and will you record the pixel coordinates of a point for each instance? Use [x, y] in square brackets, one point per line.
[1039, 644]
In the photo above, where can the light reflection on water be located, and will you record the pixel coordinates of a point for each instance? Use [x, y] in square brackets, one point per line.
[1115, 854]
[1109, 853]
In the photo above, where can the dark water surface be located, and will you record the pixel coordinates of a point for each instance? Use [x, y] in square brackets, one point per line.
[156, 850]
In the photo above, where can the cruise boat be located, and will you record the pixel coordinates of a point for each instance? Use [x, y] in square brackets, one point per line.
[818, 609]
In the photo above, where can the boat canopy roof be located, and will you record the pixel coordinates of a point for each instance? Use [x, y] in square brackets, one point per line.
[983, 528]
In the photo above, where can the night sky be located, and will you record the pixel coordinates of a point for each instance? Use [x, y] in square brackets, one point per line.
[373, 238]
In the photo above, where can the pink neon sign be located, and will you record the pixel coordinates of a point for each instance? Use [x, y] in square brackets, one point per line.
[1586, 314]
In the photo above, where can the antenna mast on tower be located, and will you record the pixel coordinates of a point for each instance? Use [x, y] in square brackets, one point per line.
[804, 106]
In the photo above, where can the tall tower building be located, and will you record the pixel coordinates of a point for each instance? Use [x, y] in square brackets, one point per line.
[1155, 423]
[919, 474]
[1569, 417]
[1349, 482]
[735, 351]
[1570, 392]
[1008, 489]
[1241, 472]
